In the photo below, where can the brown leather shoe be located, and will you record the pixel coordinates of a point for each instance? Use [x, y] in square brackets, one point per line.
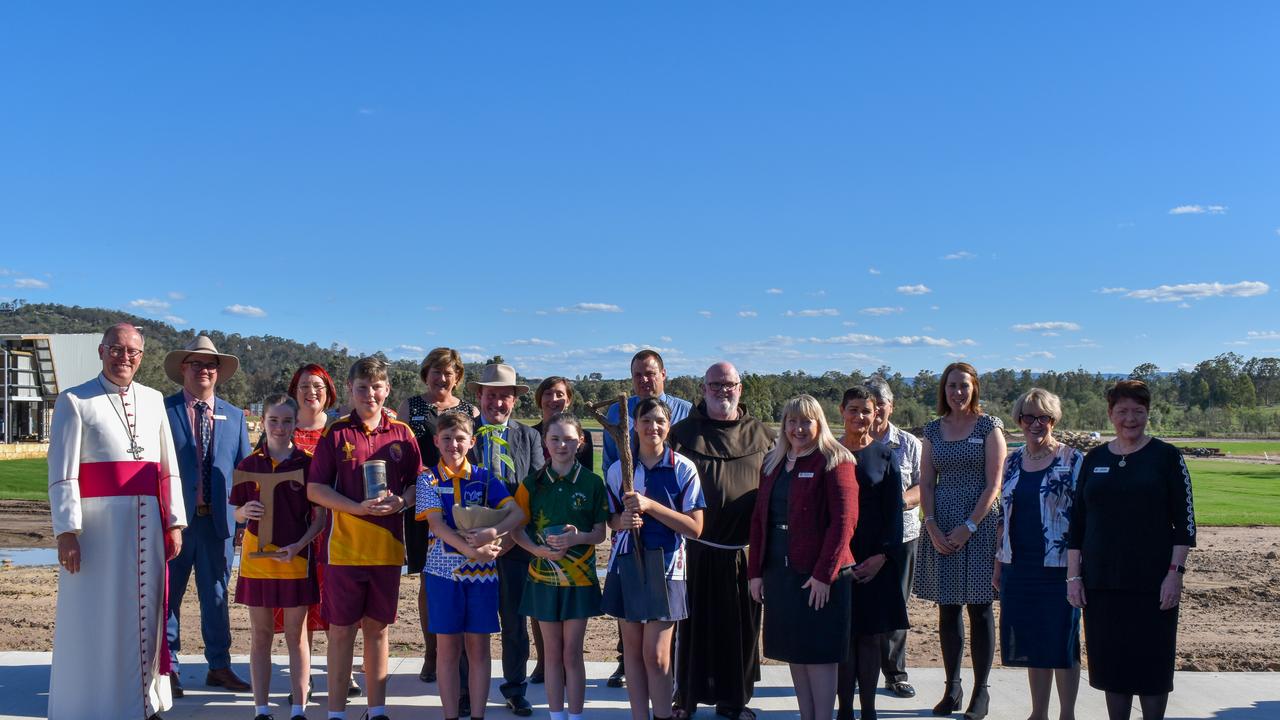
[175, 685]
[225, 678]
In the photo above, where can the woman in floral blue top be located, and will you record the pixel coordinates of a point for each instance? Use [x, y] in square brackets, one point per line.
[1039, 630]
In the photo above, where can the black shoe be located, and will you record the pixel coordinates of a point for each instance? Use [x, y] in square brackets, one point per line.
[977, 704]
[427, 675]
[618, 678]
[519, 706]
[537, 677]
[175, 685]
[950, 702]
[901, 688]
[311, 690]
[464, 706]
[264, 716]
[298, 717]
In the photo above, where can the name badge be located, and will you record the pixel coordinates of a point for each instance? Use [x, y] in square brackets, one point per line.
[976, 441]
[219, 417]
[1103, 469]
[805, 475]
[417, 418]
[444, 489]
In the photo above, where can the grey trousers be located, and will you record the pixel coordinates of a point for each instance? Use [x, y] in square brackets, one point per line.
[893, 647]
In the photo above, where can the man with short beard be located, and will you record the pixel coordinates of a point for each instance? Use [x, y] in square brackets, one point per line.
[717, 655]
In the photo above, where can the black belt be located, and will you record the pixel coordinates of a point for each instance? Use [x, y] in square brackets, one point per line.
[203, 510]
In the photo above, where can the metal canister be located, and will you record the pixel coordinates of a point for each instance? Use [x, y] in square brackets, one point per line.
[375, 479]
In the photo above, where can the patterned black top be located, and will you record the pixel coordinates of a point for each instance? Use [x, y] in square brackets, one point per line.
[422, 420]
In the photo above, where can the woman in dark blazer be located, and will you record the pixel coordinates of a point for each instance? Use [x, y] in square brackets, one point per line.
[1134, 494]
[798, 565]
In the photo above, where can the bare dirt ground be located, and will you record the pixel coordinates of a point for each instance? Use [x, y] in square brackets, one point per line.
[1230, 616]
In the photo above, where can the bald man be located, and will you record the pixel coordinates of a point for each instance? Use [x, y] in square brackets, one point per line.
[717, 658]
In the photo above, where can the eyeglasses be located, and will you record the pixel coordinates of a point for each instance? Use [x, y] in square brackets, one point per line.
[1033, 419]
[314, 387]
[120, 351]
[723, 387]
[197, 365]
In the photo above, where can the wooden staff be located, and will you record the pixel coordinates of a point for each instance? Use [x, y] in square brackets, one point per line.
[621, 433]
[267, 484]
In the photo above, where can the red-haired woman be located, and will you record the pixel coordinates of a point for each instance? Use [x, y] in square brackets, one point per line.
[962, 463]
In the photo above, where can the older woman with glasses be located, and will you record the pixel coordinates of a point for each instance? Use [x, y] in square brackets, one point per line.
[1039, 630]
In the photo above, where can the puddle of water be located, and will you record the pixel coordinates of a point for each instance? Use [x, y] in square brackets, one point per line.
[28, 557]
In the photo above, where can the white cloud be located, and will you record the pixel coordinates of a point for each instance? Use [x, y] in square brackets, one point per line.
[175, 295]
[1113, 290]
[408, 350]
[1047, 326]
[849, 323]
[960, 255]
[6, 271]
[899, 341]
[773, 291]
[1199, 210]
[1184, 306]
[1084, 343]
[705, 313]
[473, 357]
[1199, 291]
[747, 313]
[1045, 354]
[588, 307]
[149, 305]
[665, 338]
[881, 310]
[814, 312]
[174, 320]
[244, 311]
[817, 293]
[1262, 335]
[532, 341]
[913, 289]
[874, 271]
[30, 284]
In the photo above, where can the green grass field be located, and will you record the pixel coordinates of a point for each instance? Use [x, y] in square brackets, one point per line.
[24, 479]
[1251, 447]
[1226, 493]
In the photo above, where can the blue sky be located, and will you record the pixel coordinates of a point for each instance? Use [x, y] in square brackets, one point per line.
[790, 186]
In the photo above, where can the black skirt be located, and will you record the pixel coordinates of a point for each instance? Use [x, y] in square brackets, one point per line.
[878, 606]
[1130, 641]
[793, 631]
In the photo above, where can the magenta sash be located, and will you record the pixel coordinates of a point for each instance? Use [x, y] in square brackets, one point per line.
[134, 477]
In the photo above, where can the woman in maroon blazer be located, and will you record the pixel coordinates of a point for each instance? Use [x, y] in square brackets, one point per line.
[799, 563]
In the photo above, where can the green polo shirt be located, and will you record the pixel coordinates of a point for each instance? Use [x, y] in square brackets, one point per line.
[549, 500]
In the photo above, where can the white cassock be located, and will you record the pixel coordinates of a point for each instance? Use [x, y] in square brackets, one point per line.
[110, 623]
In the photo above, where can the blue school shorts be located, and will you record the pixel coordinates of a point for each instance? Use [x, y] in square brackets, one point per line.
[460, 607]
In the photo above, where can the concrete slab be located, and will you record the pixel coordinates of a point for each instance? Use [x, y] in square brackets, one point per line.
[24, 688]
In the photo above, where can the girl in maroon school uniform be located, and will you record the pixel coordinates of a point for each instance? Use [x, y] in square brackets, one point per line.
[286, 580]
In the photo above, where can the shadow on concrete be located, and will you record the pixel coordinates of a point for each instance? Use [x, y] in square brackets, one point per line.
[1265, 710]
[25, 689]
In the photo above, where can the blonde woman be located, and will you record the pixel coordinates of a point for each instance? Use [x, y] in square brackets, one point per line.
[799, 562]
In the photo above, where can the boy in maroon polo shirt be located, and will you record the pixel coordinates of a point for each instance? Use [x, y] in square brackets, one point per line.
[366, 538]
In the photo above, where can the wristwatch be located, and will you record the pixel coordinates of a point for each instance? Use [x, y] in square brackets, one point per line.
[972, 527]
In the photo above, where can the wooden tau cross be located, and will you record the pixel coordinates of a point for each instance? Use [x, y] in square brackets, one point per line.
[267, 484]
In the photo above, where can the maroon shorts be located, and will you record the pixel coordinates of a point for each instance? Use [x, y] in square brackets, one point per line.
[352, 592]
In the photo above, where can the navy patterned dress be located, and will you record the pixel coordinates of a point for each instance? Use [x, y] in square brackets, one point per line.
[963, 577]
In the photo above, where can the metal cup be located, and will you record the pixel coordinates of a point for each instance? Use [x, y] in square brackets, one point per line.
[375, 479]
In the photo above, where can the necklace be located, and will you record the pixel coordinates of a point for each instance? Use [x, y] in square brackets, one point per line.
[1125, 456]
[130, 429]
[1048, 450]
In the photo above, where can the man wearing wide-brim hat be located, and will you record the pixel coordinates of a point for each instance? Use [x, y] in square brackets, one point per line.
[210, 438]
[498, 390]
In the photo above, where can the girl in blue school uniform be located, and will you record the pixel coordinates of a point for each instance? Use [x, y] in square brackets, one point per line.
[664, 507]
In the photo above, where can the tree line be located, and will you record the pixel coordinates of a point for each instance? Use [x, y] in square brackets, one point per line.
[1226, 395]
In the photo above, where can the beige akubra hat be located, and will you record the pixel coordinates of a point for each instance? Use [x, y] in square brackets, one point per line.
[202, 345]
[497, 375]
